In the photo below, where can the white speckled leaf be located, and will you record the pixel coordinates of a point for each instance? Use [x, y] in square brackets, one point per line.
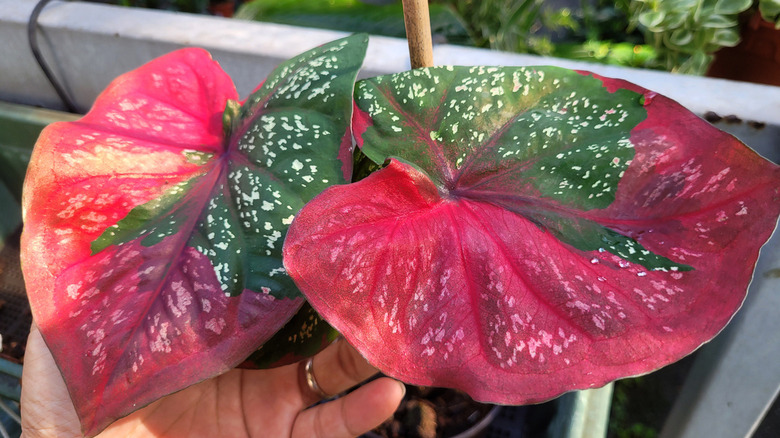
[536, 230]
[154, 225]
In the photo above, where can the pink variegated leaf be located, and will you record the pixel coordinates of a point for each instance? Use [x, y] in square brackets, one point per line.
[154, 225]
[536, 230]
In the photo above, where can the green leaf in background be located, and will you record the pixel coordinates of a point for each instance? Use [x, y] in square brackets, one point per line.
[652, 19]
[727, 7]
[681, 37]
[726, 37]
[606, 52]
[303, 336]
[770, 11]
[352, 16]
[719, 22]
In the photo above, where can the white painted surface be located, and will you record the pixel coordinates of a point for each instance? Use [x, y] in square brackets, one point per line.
[736, 377]
[90, 44]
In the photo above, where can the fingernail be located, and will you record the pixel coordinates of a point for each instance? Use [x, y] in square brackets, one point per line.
[403, 387]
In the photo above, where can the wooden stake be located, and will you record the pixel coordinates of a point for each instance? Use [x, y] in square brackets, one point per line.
[418, 31]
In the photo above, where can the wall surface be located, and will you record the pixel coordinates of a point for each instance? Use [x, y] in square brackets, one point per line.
[89, 44]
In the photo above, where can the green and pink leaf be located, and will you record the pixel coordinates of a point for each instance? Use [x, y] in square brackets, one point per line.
[154, 225]
[535, 230]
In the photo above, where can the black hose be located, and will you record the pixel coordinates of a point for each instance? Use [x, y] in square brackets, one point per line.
[32, 37]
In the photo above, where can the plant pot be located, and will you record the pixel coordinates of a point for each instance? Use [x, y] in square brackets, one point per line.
[436, 412]
[577, 414]
[755, 59]
[222, 8]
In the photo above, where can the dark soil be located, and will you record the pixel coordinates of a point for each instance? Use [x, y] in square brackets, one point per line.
[15, 315]
[432, 413]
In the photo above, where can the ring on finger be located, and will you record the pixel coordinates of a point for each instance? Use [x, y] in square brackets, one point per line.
[311, 381]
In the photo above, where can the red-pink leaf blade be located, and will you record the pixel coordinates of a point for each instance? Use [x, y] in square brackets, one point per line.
[132, 323]
[466, 294]
[494, 286]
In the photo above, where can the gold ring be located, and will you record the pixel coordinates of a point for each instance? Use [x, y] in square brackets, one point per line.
[311, 381]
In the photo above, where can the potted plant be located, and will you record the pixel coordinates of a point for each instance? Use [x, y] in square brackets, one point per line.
[513, 232]
[688, 34]
[757, 56]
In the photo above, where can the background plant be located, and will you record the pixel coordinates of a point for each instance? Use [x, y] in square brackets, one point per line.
[687, 33]
[513, 26]
[598, 32]
[377, 18]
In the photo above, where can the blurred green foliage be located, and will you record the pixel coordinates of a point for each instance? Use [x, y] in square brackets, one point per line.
[686, 33]
[511, 26]
[377, 18]
[674, 35]
[596, 31]
[770, 11]
[600, 33]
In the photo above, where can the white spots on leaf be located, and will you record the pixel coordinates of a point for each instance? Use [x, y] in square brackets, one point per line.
[277, 271]
[98, 350]
[138, 362]
[272, 238]
[73, 290]
[310, 79]
[216, 325]
[183, 299]
[443, 338]
[161, 343]
[118, 317]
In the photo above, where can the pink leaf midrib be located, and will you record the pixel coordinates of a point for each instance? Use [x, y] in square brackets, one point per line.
[540, 296]
[155, 294]
[411, 121]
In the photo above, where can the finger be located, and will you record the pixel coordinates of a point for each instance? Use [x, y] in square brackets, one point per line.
[336, 369]
[46, 405]
[354, 414]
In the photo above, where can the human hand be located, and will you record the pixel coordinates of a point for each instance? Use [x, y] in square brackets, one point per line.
[239, 403]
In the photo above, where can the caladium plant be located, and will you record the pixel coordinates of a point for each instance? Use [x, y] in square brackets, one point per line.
[154, 225]
[527, 231]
